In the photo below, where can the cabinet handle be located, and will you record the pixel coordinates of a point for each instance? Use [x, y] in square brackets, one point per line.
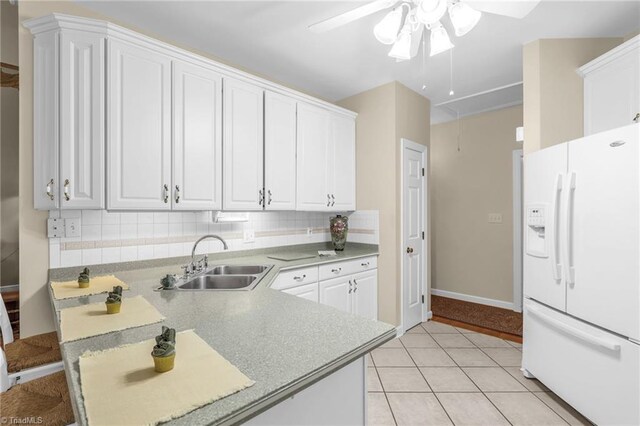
[260, 197]
[355, 286]
[300, 278]
[336, 271]
[350, 284]
[636, 118]
[50, 189]
[269, 202]
[333, 200]
[328, 200]
[177, 194]
[66, 190]
[365, 264]
[166, 193]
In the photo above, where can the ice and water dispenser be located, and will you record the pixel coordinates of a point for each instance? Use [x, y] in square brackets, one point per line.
[536, 233]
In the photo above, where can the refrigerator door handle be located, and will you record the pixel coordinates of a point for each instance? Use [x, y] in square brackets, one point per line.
[594, 340]
[557, 266]
[569, 268]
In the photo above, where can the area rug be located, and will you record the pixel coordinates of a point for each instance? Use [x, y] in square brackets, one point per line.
[485, 316]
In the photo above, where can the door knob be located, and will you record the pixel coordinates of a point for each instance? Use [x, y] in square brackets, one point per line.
[409, 250]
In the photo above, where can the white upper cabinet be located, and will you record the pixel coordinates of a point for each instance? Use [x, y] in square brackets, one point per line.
[326, 160]
[342, 167]
[82, 112]
[197, 138]
[313, 158]
[69, 116]
[243, 146]
[139, 123]
[279, 152]
[612, 88]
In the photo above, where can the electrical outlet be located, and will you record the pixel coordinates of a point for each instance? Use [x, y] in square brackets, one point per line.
[72, 227]
[309, 232]
[495, 218]
[55, 228]
[249, 236]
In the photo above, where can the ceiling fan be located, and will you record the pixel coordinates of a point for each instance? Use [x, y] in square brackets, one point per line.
[404, 25]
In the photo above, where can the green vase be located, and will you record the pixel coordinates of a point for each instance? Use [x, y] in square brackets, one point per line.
[339, 227]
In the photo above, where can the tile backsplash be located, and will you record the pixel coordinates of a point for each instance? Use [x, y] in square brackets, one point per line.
[108, 237]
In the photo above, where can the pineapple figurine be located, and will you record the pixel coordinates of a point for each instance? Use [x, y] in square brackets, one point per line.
[83, 278]
[164, 352]
[114, 300]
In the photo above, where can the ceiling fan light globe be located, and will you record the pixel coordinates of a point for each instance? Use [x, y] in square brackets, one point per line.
[440, 41]
[463, 17]
[431, 11]
[386, 31]
[402, 47]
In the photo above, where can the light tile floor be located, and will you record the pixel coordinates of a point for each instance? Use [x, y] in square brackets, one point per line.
[437, 374]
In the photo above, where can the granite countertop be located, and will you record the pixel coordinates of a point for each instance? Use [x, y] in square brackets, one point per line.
[282, 342]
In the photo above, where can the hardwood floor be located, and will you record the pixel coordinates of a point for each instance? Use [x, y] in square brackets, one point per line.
[478, 329]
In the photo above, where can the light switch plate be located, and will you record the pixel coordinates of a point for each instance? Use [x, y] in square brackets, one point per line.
[72, 227]
[55, 228]
[495, 218]
[249, 236]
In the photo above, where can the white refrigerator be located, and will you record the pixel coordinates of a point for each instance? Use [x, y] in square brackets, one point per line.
[582, 273]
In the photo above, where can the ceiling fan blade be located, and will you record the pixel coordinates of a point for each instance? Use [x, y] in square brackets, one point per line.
[512, 8]
[352, 15]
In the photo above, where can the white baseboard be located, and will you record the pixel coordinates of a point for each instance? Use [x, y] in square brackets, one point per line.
[474, 299]
[399, 331]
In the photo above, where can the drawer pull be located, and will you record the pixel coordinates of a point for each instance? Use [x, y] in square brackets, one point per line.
[594, 340]
[350, 284]
[336, 271]
[300, 278]
[365, 264]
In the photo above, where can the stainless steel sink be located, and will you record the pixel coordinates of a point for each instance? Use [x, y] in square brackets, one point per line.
[218, 282]
[224, 277]
[237, 270]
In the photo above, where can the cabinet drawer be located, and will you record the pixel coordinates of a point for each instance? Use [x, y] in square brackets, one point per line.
[340, 269]
[596, 372]
[296, 277]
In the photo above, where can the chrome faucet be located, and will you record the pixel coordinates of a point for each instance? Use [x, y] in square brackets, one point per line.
[192, 265]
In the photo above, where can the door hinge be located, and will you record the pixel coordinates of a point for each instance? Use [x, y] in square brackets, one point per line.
[423, 171]
[423, 299]
[423, 235]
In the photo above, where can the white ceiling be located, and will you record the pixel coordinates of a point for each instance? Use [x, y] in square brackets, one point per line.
[271, 38]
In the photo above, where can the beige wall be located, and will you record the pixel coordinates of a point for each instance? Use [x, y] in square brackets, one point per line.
[553, 91]
[470, 255]
[35, 311]
[385, 115]
[9, 150]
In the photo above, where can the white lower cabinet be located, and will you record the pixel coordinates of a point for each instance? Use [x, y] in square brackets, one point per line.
[354, 288]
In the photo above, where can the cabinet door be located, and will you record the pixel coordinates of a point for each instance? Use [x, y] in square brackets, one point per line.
[279, 152]
[365, 294]
[612, 94]
[337, 293]
[342, 163]
[243, 146]
[82, 118]
[46, 174]
[603, 232]
[308, 291]
[197, 138]
[313, 158]
[139, 122]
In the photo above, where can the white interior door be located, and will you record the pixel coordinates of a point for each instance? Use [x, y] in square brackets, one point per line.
[139, 120]
[313, 158]
[336, 293]
[603, 230]
[243, 145]
[413, 228]
[279, 152]
[342, 167]
[544, 173]
[197, 138]
[82, 118]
